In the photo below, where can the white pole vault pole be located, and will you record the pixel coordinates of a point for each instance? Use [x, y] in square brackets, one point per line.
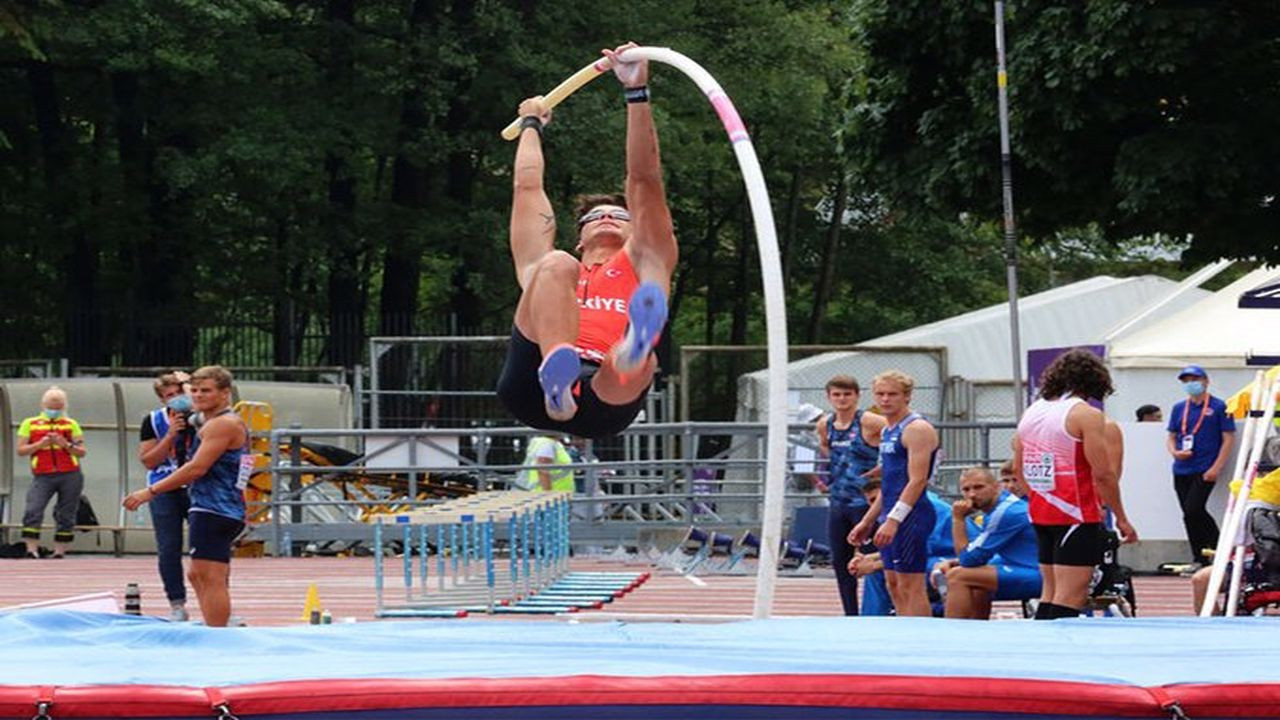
[774, 300]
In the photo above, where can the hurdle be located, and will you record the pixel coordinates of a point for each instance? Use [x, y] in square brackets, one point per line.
[470, 534]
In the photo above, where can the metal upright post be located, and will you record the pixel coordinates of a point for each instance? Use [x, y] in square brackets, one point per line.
[422, 556]
[440, 567]
[1010, 227]
[406, 545]
[488, 560]
[377, 566]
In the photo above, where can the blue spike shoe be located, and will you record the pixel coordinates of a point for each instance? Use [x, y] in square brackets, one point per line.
[557, 375]
[646, 316]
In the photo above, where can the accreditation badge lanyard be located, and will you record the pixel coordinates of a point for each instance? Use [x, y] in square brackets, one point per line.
[1187, 440]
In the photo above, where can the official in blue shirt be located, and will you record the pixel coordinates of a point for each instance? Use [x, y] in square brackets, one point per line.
[1201, 433]
[1002, 561]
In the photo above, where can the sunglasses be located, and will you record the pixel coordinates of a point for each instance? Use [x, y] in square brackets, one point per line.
[600, 214]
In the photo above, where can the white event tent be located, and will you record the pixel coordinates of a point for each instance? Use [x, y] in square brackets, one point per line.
[962, 363]
[1215, 333]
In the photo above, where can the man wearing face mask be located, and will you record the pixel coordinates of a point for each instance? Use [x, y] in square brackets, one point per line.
[55, 444]
[1201, 433]
[164, 447]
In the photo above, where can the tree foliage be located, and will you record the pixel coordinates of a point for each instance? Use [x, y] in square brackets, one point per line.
[1138, 118]
[313, 172]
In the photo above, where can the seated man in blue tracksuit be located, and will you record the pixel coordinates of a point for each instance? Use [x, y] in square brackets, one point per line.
[1001, 563]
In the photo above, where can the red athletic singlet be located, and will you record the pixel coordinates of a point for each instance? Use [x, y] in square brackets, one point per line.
[1054, 466]
[603, 291]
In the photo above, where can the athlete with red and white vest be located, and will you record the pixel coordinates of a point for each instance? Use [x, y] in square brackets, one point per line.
[1063, 459]
[580, 358]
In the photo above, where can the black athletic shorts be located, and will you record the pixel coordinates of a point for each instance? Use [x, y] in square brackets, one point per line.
[210, 535]
[1081, 544]
[521, 393]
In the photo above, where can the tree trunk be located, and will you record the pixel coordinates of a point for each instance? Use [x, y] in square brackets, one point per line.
[346, 311]
[161, 332]
[401, 268]
[826, 276]
[84, 338]
[789, 228]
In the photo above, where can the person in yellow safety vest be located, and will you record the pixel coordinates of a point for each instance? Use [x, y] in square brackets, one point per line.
[546, 450]
[55, 444]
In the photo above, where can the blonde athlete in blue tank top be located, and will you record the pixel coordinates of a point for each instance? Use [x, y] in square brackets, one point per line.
[903, 535]
[219, 469]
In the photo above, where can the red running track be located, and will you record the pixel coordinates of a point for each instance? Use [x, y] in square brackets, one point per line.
[272, 591]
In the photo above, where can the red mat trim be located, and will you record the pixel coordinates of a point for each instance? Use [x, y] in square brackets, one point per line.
[851, 691]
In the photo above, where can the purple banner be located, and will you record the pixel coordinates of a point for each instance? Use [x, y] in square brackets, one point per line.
[1039, 359]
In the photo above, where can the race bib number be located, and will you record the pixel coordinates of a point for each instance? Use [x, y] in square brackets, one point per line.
[1037, 468]
[245, 472]
[1188, 443]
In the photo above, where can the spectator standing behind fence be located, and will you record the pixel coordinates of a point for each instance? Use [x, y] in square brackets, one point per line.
[849, 439]
[217, 472]
[1062, 456]
[164, 446]
[550, 475]
[1201, 433]
[55, 444]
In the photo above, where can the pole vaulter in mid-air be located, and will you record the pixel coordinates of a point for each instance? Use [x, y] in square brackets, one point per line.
[619, 367]
[581, 354]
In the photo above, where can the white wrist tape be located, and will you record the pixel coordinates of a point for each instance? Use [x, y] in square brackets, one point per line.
[900, 511]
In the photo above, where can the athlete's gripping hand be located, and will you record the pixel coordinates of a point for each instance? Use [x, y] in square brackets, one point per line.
[886, 533]
[534, 107]
[858, 534]
[631, 74]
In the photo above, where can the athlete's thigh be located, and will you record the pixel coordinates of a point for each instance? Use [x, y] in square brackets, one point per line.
[984, 577]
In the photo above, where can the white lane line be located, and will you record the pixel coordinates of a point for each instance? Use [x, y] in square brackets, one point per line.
[695, 580]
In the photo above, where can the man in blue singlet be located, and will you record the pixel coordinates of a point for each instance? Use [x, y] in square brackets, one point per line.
[908, 446]
[848, 438]
[217, 472]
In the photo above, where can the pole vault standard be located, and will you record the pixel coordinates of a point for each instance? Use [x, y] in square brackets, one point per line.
[1010, 228]
[770, 271]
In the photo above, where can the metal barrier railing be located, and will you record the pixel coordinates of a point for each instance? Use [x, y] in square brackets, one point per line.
[713, 474]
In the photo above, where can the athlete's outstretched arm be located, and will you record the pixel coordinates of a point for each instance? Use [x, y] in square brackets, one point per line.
[652, 247]
[533, 224]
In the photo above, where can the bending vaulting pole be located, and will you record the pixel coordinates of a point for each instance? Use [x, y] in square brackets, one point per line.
[1010, 229]
[774, 300]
